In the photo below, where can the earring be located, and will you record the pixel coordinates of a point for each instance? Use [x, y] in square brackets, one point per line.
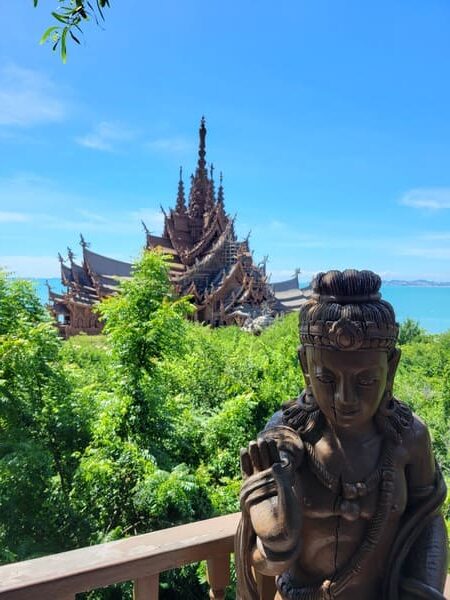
[387, 406]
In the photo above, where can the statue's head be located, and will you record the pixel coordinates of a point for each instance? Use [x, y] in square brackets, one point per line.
[347, 353]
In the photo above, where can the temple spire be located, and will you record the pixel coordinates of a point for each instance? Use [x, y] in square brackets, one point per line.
[200, 184]
[201, 169]
[211, 194]
[220, 195]
[181, 200]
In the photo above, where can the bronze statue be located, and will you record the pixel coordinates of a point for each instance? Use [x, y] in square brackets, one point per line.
[341, 491]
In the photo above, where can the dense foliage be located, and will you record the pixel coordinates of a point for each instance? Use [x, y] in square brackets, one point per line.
[141, 428]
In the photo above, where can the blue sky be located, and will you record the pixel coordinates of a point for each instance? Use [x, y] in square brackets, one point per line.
[330, 120]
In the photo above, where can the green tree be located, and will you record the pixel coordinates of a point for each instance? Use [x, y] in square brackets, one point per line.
[145, 322]
[410, 331]
[42, 426]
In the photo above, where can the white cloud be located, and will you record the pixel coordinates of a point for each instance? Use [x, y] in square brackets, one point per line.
[31, 266]
[28, 98]
[117, 222]
[170, 145]
[427, 198]
[430, 253]
[13, 217]
[106, 136]
[43, 204]
[436, 236]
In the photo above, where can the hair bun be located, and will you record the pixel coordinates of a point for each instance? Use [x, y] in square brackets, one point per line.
[347, 283]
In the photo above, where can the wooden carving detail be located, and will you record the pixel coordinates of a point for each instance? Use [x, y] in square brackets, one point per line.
[207, 261]
[341, 495]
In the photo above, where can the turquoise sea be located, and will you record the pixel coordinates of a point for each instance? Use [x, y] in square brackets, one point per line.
[428, 305]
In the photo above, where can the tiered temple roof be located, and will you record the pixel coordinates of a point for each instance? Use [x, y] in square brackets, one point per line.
[95, 278]
[207, 261]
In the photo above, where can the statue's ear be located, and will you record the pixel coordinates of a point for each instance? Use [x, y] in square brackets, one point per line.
[301, 353]
[393, 361]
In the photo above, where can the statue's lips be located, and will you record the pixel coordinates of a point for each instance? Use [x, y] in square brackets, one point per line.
[348, 413]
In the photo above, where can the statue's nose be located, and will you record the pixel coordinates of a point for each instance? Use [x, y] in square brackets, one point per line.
[347, 397]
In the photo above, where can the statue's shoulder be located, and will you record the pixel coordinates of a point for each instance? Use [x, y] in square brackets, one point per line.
[275, 420]
[416, 437]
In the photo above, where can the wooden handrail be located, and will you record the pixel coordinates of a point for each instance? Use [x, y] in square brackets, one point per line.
[140, 559]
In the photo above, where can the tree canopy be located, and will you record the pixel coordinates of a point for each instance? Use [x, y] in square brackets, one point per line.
[140, 428]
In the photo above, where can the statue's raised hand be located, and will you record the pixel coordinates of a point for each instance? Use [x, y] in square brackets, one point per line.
[268, 494]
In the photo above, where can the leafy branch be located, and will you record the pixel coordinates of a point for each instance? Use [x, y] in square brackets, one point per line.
[70, 16]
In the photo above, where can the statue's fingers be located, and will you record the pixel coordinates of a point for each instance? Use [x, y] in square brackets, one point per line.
[283, 487]
[246, 463]
[253, 450]
[273, 451]
[264, 454]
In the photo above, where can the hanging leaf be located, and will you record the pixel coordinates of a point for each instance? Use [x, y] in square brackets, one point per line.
[60, 18]
[63, 45]
[47, 33]
[74, 37]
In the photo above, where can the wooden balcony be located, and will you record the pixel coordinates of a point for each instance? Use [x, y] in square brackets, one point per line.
[139, 559]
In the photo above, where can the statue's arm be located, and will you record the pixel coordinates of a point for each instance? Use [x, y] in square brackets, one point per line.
[269, 498]
[426, 563]
[277, 523]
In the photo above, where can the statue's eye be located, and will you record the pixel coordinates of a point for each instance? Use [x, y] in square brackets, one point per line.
[367, 380]
[325, 377]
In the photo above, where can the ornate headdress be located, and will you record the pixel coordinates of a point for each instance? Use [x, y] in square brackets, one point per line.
[346, 312]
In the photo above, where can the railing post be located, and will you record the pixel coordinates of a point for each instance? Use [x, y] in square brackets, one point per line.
[146, 588]
[218, 573]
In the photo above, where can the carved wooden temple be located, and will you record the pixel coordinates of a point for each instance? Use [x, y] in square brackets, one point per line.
[95, 278]
[207, 262]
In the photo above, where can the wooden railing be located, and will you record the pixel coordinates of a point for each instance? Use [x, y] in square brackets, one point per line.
[139, 559]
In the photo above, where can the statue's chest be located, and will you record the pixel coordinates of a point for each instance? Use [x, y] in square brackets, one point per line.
[350, 494]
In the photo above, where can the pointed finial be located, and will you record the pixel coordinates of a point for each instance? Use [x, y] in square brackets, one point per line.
[297, 272]
[70, 254]
[60, 258]
[146, 229]
[202, 147]
[211, 193]
[181, 200]
[83, 242]
[220, 194]
[48, 286]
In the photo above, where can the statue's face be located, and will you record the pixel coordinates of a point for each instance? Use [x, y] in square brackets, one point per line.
[348, 385]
